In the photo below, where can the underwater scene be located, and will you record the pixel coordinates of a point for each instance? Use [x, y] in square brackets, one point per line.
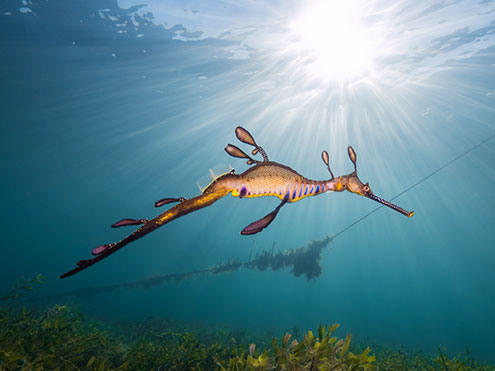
[325, 170]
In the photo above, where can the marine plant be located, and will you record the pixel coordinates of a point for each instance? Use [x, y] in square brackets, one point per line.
[304, 261]
[19, 287]
[61, 338]
[402, 359]
[322, 352]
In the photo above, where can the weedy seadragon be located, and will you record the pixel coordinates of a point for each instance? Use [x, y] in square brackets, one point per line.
[265, 178]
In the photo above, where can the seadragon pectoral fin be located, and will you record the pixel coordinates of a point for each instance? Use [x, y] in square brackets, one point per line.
[259, 225]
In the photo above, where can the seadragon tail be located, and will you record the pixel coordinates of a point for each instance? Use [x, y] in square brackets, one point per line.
[186, 206]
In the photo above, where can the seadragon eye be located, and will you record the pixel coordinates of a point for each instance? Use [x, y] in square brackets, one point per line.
[366, 188]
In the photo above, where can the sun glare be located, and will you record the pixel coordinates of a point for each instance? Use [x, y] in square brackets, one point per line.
[333, 39]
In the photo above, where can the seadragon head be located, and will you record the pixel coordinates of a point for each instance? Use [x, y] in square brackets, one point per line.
[353, 184]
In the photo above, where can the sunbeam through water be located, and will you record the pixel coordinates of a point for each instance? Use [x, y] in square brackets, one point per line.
[110, 106]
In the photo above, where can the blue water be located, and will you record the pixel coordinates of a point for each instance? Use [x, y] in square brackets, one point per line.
[107, 107]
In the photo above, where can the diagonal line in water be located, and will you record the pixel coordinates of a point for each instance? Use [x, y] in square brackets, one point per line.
[416, 184]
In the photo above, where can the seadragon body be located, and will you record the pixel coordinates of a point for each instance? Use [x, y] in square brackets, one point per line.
[265, 178]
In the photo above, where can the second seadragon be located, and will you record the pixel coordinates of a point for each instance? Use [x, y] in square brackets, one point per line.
[265, 178]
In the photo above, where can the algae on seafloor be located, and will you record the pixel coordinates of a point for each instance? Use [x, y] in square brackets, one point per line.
[18, 288]
[61, 338]
[324, 352]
